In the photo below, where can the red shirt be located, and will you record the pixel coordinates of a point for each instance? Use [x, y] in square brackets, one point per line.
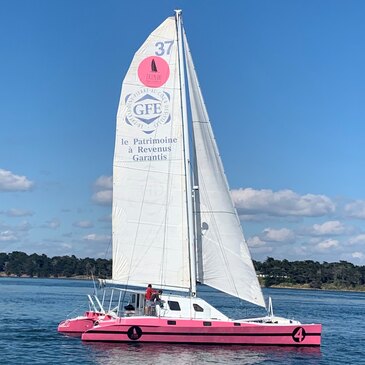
[149, 293]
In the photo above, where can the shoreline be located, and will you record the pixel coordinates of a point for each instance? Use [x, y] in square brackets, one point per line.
[75, 277]
[329, 288]
[278, 286]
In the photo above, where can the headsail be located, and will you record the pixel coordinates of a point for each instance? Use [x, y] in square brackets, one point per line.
[150, 237]
[224, 261]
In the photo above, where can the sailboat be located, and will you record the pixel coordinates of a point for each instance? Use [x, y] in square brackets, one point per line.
[174, 222]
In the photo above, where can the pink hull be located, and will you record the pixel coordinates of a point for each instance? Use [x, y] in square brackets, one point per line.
[207, 332]
[79, 325]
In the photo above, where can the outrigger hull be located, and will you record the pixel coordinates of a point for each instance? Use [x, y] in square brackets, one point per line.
[77, 326]
[164, 330]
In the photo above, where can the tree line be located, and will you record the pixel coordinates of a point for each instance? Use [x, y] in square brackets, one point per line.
[271, 272]
[20, 264]
[311, 274]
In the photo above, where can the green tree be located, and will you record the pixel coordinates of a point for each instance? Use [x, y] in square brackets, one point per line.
[4, 258]
[16, 263]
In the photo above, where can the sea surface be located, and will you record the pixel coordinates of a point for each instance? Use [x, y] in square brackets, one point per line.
[32, 308]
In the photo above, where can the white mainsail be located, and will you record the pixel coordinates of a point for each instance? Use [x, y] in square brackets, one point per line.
[150, 234]
[224, 261]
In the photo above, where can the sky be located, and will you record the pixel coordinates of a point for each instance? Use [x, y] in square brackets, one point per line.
[284, 84]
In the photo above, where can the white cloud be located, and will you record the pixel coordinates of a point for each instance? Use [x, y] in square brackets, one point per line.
[103, 187]
[83, 224]
[327, 245]
[96, 237]
[359, 239]
[66, 246]
[52, 224]
[18, 213]
[103, 197]
[8, 236]
[15, 235]
[104, 182]
[328, 228]
[301, 250]
[12, 182]
[356, 209]
[255, 241]
[263, 250]
[278, 235]
[358, 255]
[281, 203]
[258, 246]
[24, 226]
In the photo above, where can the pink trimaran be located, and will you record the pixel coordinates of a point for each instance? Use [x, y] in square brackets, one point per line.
[174, 223]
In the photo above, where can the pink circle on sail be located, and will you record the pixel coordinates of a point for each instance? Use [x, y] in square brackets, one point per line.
[153, 71]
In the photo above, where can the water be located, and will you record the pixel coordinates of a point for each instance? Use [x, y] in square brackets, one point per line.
[32, 308]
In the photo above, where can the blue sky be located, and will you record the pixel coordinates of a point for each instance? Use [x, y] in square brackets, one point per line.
[284, 84]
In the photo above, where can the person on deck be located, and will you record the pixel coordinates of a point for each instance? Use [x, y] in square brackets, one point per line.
[149, 300]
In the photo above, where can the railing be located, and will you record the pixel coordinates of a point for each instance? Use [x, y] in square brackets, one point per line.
[119, 302]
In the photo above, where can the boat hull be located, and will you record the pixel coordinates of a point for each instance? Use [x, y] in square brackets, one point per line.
[204, 332]
[77, 326]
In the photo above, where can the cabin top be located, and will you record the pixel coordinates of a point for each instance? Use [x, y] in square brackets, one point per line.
[128, 302]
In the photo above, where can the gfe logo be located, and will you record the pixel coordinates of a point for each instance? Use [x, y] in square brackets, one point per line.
[146, 109]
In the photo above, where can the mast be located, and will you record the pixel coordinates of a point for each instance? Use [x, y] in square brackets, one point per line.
[186, 155]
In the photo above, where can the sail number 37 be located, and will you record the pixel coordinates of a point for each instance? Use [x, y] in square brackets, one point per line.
[163, 48]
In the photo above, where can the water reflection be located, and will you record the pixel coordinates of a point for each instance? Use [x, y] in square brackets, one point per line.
[113, 354]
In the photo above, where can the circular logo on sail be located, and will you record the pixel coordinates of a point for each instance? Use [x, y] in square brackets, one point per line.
[153, 71]
[134, 333]
[146, 109]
